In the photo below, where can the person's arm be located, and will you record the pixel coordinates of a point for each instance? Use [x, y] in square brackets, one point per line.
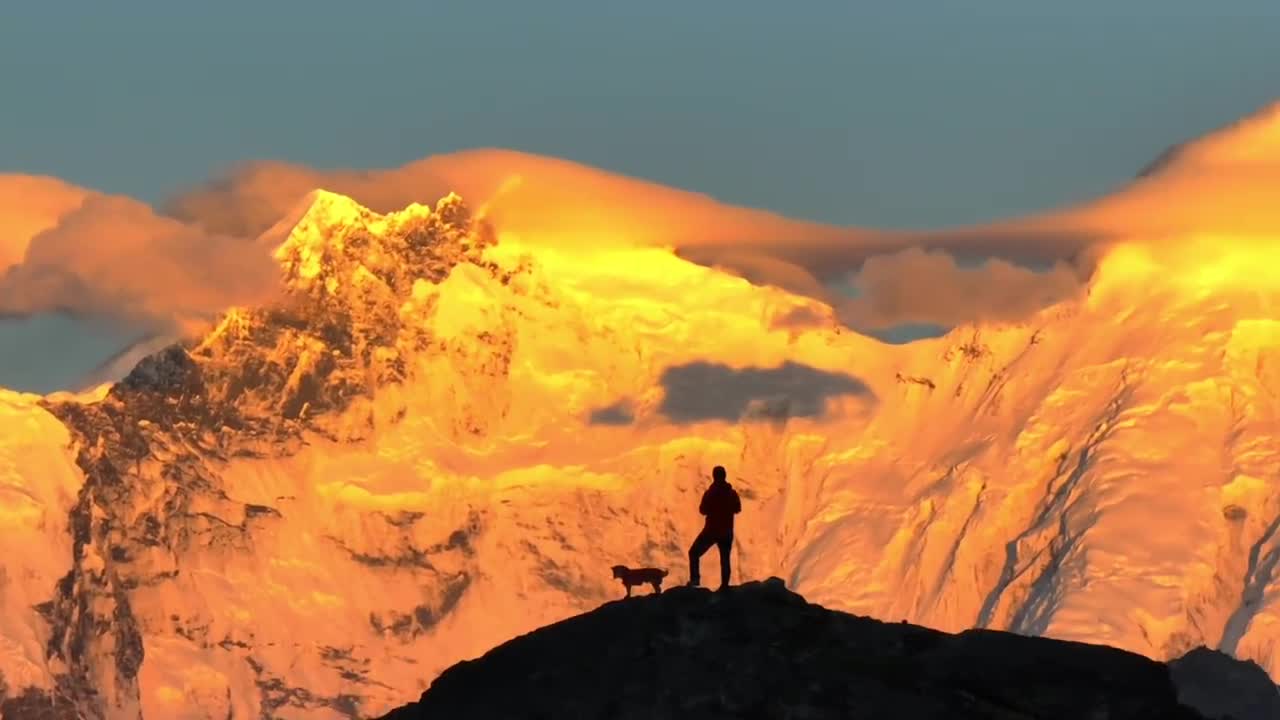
[737, 503]
[702, 506]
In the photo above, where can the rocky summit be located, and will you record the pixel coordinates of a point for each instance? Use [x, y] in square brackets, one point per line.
[761, 651]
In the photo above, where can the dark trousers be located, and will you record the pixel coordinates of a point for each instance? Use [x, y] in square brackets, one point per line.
[701, 545]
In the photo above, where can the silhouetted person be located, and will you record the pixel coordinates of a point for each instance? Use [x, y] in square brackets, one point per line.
[719, 503]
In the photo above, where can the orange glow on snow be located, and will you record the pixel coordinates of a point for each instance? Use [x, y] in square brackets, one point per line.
[1094, 470]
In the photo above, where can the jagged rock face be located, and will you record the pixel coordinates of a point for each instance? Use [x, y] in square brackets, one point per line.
[154, 449]
[763, 652]
[433, 442]
[355, 314]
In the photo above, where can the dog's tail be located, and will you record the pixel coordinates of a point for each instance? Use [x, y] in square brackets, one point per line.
[662, 573]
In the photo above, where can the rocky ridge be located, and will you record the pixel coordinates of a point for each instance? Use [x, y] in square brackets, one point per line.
[761, 651]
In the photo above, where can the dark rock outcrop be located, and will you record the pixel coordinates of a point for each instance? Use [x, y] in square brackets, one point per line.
[761, 651]
[1220, 686]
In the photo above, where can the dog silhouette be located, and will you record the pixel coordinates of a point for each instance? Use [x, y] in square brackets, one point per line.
[639, 576]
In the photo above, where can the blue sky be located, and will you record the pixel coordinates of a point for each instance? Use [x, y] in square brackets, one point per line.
[893, 113]
[901, 113]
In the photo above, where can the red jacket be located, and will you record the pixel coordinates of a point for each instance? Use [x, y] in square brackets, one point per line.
[720, 503]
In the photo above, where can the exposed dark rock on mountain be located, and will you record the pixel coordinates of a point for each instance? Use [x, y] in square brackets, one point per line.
[1221, 686]
[153, 448]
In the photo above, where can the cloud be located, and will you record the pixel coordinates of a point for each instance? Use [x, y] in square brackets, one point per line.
[113, 256]
[556, 200]
[618, 413]
[117, 257]
[910, 286]
[801, 317]
[759, 268]
[563, 203]
[1224, 183]
[109, 256]
[919, 287]
[559, 202]
[29, 205]
[703, 391]
[1202, 200]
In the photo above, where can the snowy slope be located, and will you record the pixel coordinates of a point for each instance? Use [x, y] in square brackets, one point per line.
[38, 483]
[439, 438]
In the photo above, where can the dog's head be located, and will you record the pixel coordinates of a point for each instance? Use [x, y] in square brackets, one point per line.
[619, 571]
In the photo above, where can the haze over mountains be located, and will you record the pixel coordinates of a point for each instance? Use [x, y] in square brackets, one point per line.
[426, 428]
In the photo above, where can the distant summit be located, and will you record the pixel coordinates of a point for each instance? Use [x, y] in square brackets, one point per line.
[762, 651]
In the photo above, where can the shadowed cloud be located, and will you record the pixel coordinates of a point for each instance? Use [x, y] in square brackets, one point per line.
[616, 414]
[703, 391]
[915, 286]
[800, 317]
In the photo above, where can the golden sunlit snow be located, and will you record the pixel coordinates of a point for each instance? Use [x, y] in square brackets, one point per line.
[1103, 471]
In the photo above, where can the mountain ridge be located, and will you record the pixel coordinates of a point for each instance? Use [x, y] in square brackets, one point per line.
[760, 650]
[456, 453]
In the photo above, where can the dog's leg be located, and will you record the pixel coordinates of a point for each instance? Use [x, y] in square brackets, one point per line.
[628, 587]
[657, 586]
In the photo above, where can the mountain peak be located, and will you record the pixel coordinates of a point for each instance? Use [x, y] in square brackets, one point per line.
[335, 236]
[763, 651]
[351, 318]
[334, 205]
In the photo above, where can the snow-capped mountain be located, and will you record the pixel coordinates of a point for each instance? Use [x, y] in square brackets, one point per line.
[119, 365]
[439, 437]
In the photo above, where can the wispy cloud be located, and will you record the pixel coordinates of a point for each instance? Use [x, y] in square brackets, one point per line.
[114, 256]
[71, 249]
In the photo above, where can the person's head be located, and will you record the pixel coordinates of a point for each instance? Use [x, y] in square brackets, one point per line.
[717, 473]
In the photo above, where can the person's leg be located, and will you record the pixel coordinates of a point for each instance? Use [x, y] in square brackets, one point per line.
[726, 546]
[700, 545]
